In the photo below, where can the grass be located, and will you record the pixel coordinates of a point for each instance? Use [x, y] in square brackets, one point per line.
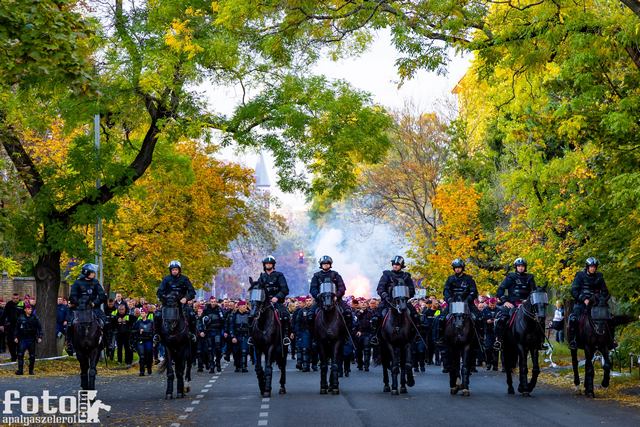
[68, 366]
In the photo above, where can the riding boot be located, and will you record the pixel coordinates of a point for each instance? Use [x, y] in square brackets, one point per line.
[572, 332]
[375, 322]
[69, 340]
[285, 332]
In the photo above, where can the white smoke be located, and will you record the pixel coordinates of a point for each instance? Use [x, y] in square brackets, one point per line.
[360, 252]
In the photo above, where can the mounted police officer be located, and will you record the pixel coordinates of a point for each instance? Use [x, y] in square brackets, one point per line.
[459, 287]
[587, 284]
[390, 279]
[178, 285]
[214, 322]
[275, 286]
[518, 286]
[86, 294]
[326, 274]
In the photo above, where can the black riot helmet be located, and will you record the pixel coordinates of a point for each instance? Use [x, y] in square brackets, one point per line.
[325, 259]
[591, 261]
[398, 260]
[457, 263]
[89, 268]
[520, 261]
[269, 260]
[175, 264]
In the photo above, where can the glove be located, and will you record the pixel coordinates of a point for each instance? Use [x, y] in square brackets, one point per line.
[385, 296]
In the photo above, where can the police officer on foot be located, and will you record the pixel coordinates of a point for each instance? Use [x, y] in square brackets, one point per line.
[28, 331]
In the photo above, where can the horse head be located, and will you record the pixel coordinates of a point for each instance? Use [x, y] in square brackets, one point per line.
[171, 313]
[539, 301]
[257, 300]
[460, 311]
[600, 314]
[327, 295]
[400, 296]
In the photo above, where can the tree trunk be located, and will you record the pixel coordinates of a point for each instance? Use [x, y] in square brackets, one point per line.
[47, 273]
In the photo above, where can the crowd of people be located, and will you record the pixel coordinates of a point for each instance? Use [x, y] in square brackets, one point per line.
[221, 328]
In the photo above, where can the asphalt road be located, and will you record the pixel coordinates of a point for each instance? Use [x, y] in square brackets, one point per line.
[232, 399]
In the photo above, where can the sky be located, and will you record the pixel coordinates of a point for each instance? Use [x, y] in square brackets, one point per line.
[374, 72]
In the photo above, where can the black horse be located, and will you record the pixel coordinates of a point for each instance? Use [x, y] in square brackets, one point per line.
[460, 340]
[330, 332]
[397, 334]
[266, 338]
[87, 343]
[174, 335]
[596, 329]
[524, 337]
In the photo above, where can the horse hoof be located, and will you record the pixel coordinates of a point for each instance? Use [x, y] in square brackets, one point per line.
[466, 393]
[394, 392]
[335, 392]
[282, 391]
[323, 391]
[590, 394]
[180, 396]
[511, 391]
[386, 389]
[526, 394]
[266, 394]
[454, 390]
[411, 382]
[403, 390]
[168, 396]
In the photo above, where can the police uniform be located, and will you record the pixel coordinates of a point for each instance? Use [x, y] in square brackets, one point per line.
[28, 330]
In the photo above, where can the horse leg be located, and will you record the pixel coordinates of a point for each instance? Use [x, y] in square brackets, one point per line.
[180, 361]
[93, 361]
[259, 370]
[189, 364]
[535, 370]
[283, 373]
[523, 368]
[323, 368]
[453, 361]
[576, 373]
[403, 370]
[84, 369]
[334, 384]
[508, 367]
[268, 371]
[606, 367]
[467, 362]
[589, 372]
[408, 364]
[395, 369]
[170, 372]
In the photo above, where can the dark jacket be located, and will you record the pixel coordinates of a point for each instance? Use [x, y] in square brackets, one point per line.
[28, 327]
[214, 318]
[61, 317]
[320, 276]
[587, 285]
[147, 330]
[390, 279]
[274, 285]
[460, 288]
[179, 285]
[517, 286]
[239, 324]
[87, 294]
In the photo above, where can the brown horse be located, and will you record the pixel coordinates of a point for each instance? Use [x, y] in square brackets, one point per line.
[397, 334]
[330, 332]
[87, 343]
[266, 338]
[596, 329]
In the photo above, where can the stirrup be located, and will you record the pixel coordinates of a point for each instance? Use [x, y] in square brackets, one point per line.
[286, 341]
[156, 339]
[497, 345]
[573, 345]
[374, 340]
[250, 341]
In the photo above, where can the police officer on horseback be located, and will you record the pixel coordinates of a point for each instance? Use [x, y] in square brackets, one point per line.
[459, 287]
[326, 274]
[389, 279]
[178, 285]
[86, 294]
[275, 286]
[518, 286]
[587, 284]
